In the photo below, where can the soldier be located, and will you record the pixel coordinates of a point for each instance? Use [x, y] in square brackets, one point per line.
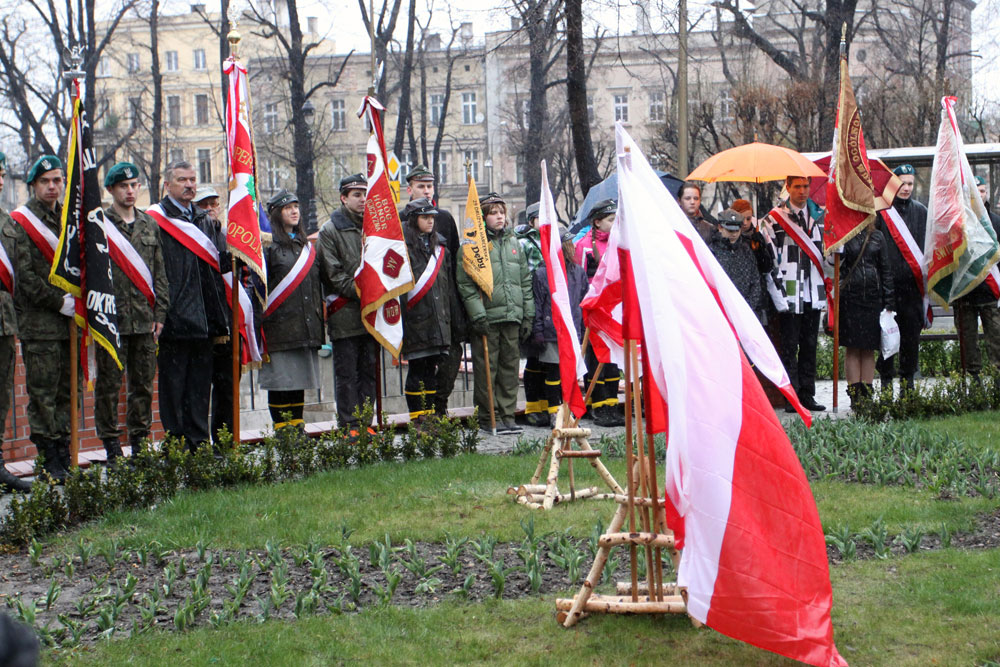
[197, 313]
[8, 330]
[354, 349]
[43, 313]
[142, 295]
[420, 183]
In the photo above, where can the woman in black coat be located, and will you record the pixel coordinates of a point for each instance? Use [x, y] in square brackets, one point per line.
[427, 310]
[865, 291]
[293, 318]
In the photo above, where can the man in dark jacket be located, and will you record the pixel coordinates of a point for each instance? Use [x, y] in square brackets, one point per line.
[909, 303]
[139, 322]
[354, 349]
[420, 183]
[8, 333]
[733, 251]
[43, 312]
[197, 315]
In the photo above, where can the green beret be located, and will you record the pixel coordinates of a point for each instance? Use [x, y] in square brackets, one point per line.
[980, 180]
[491, 198]
[3, 161]
[904, 170]
[420, 173]
[42, 165]
[123, 171]
[353, 182]
[283, 198]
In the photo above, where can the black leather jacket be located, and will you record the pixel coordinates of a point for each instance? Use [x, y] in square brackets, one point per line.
[914, 214]
[870, 280]
[298, 322]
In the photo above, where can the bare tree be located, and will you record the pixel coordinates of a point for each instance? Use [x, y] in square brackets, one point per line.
[576, 96]
[382, 32]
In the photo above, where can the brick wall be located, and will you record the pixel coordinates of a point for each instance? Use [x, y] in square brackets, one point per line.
[17, 447]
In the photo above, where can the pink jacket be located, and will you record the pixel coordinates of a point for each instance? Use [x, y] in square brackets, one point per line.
[586, 246]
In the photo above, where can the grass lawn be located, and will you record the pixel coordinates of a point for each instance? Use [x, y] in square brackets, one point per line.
[940, 607]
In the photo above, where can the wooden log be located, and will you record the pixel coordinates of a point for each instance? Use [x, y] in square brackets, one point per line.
[579, 453]
[624, 588]
[570, 432]
[528, 488]
[643, 538]
[598, 604]
[528, 503]
[550, 482]
[594, 576]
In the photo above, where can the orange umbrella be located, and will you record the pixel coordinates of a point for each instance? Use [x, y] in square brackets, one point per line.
[755, 163]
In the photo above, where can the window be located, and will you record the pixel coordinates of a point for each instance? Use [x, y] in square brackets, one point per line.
[726, 104]
[437, 107]
[132, 63]
[590, 108]
[441, 168]
[201, 109]
[271, 117]
[519, 169]
[172, 62]
[339, 117]
[468, 108]
[176, 154]
[273, 175]
[471, 157]
[341, 167]
[657, 107]
[621, 107]
[199, 58]
[204, 165]
[134, 112]
[525, 114]
[173, 110]
[104, 66]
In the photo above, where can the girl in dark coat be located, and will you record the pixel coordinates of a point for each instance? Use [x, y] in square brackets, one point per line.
[543, 332]
[865, 290]
[293, 318]
[427, 310]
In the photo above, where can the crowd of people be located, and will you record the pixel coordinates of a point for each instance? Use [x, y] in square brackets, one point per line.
[182, 329]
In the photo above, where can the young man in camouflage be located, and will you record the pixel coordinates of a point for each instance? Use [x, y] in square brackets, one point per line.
[43, 315]
[139, 321]
[8, 331]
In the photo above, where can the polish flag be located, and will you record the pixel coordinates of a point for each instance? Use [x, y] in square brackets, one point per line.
[602, 307]
[571, 366]
[754, 558]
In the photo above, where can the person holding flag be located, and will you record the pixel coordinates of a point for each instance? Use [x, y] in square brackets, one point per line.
[142, 296]
[43, 312]
[339, 253]
[8, 330]
[293, 316]
[504, 319]
[428, 308]
[904, 227]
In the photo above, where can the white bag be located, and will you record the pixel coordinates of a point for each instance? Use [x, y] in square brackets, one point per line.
[890, 333]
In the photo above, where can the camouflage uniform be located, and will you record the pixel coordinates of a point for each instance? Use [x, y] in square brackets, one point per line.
[44, 333]
[8, 324]
[138, 349]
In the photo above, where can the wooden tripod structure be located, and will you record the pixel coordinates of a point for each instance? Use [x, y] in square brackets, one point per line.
[559, 446]
[642, 508]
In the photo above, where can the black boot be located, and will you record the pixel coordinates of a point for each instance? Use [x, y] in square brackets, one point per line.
[854, 393]
[62, 449]
[868, 390]
[113, 449]
[604, 416]
[52, 464]
[9, 483]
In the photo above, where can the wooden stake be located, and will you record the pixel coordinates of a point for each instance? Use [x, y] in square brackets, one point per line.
[625, 605]
[74, 395]
[489, 384]
[234, 339]
[590, 387]
[836, 327]
[594, 576]
[630, 491]
[378, 387]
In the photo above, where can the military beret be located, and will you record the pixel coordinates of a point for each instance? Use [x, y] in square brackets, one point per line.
[420, 173]
[282, 198]
[602, 209]
[422, 206]
[904, 170]
[532, 211]
[980, 180]
[491, 198]
[730, 219]
[122, 171]
[203, 193]
[3, 161]
[42, 165]
[353, 182]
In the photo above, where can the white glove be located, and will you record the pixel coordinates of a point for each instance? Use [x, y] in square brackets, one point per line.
[68, 307]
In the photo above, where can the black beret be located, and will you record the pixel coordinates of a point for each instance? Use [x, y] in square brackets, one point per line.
[422, 206]
[731, 219]
[282, 198]
[353, 182]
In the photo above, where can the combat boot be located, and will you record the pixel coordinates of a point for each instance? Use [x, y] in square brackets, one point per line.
[52, 465]
[9, 483]
[113, 449]
[605, 416]
[62, 449]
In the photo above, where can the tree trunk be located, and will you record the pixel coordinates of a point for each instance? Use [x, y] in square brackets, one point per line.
[535, 139]
[156, 126]
[576, 98]
[302, 138]
[405, 114]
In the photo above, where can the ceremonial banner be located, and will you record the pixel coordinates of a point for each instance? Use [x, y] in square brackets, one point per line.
[384, 272]
[961, 244]
[82, 261]
[243, 224]
[475, 246]
[571, 364]
[753, 557]
[850, 197]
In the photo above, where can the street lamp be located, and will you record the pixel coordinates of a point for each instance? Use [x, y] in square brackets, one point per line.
[308, 114]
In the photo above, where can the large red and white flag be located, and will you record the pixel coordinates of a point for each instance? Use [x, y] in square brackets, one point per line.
[571, 365]
[384, 272]
[753, 558]
[602, 307]
[243, 233]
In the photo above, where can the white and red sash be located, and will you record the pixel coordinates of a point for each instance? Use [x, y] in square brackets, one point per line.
[247, 328]
[188, 235]
[6, 271]
[807, 245]
[334, 302]
[124, 254]
[292, 279]
[426, 280]
[42, 236]
[911, 252]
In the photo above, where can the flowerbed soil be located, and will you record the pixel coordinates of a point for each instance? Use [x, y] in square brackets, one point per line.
[94, 600]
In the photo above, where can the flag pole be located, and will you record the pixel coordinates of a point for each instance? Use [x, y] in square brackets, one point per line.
[836, 327]
[234, 334]
[74, 395]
